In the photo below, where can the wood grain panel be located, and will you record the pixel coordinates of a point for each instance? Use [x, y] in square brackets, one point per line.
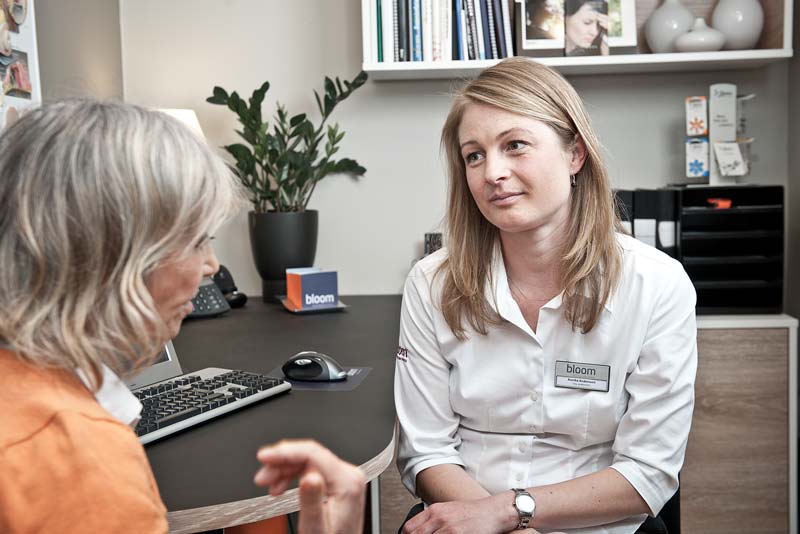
[735, 477]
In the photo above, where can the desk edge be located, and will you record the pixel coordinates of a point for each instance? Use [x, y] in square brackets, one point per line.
[259, 508]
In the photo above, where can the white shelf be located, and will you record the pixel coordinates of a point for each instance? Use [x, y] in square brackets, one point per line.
[629, 63]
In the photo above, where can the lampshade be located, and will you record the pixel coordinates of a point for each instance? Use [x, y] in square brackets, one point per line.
[187, 117]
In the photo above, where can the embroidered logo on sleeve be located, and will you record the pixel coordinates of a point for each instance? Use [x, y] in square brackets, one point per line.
[402, 354]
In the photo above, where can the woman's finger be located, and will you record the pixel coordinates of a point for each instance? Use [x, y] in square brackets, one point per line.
[313, 518]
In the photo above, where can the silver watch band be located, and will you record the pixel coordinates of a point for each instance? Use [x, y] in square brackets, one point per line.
[525, 506]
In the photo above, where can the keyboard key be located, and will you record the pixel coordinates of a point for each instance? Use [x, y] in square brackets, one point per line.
[177, 416]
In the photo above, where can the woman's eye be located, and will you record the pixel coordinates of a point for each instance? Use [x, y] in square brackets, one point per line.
[472, 157]
[203, 241]
[517, 145]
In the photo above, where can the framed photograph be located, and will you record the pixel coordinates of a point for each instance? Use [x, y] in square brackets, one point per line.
[541, 26]
[19, 61]
[622, 23]
[586, 24]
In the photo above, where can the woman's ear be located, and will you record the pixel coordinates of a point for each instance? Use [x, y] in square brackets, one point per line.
[579, 154]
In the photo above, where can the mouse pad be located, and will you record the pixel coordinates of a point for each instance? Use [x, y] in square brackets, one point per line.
[355, 375]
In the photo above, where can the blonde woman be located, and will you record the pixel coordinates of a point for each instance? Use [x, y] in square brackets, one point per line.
[545, 376]
[106, 215]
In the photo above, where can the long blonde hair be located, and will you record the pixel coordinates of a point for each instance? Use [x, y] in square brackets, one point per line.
[95, 196]
[591, 263]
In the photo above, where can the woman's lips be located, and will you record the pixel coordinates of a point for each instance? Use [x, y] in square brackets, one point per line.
[504, 199]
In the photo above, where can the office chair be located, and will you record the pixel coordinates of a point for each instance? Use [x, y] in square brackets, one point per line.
[671, 513]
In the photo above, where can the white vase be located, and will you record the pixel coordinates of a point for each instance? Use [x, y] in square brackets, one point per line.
[666, 24]
[701, 38]
[740, 20]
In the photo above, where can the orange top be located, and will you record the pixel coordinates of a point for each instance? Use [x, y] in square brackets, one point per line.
[67, 464]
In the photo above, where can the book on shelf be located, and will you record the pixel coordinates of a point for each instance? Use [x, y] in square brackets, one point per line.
[439, 30]
[472, 30]
[402, 30]
[387, 30]
[479, 26]
[376, 44]
[490, 27]
[415, 30]
[445, 23]
[427, 30]
[507, 28]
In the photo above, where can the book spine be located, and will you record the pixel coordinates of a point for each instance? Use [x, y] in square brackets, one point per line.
[507, 28]
[396, 28]
[498, 29]
[388, 30]
[464, 27]
[492, 29]
[427, 30]
[377, 38]
[402, 24]
[447, 24]
[487, 46]
[472, 30]
[436, 26]
[458, 51]
[416, 30]
[479, 29]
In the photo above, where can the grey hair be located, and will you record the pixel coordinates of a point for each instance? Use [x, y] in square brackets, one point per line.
[94, 196]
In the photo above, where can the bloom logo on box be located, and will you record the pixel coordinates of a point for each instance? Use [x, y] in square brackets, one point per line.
[312, 298]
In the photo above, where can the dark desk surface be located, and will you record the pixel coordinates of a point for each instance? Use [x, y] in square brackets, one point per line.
[205, 473]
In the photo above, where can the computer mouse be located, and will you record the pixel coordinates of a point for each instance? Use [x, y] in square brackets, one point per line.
[313, 366]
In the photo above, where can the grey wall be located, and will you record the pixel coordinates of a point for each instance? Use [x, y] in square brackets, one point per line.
[175, 52]
[793, 195]
[79, 48]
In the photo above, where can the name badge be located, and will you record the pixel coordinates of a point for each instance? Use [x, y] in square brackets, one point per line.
[575, 375]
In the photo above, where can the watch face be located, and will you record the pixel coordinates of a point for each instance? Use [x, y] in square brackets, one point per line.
[525, 504]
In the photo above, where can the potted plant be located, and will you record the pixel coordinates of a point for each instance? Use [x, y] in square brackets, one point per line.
[280, 167]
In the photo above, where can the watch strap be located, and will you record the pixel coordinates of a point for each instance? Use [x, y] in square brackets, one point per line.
[524, 516]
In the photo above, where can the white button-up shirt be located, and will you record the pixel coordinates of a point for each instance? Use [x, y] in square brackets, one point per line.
[490, 403]
[115, 397]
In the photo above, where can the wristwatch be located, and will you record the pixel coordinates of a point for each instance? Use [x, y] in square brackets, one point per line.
[525, 505]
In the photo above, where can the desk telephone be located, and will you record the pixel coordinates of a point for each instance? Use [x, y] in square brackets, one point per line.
[217, 295]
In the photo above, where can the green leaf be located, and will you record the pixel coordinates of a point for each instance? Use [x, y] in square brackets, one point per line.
[297, 119]
[319, 104]
[330, 89]
[220, 96]
[349, 166]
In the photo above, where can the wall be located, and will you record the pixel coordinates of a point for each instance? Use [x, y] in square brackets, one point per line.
[79, 48]
[793, 195]
[175, 52]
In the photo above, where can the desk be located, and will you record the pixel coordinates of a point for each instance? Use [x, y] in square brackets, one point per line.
[205, 474]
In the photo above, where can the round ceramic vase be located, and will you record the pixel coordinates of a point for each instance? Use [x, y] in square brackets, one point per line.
[740, 21]
[700, 39]
[666, 24]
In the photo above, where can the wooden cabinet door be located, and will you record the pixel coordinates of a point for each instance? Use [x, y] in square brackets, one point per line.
[736, 474]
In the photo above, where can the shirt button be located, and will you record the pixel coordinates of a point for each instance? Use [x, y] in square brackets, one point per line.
[519, 477]
[532, 429]
[522, 446]
[534, 397]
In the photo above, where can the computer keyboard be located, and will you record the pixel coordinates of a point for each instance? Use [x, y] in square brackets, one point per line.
[184, 401]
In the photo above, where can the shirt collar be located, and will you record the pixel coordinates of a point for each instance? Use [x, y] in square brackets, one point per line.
[115, 397]
[499, 292]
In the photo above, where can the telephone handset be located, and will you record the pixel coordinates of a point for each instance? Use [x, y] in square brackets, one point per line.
[217, 295]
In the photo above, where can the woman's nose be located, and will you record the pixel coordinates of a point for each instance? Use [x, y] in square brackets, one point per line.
[211, 263]
[495, 169]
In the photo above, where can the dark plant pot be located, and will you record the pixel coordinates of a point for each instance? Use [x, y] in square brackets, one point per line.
[281, 240]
